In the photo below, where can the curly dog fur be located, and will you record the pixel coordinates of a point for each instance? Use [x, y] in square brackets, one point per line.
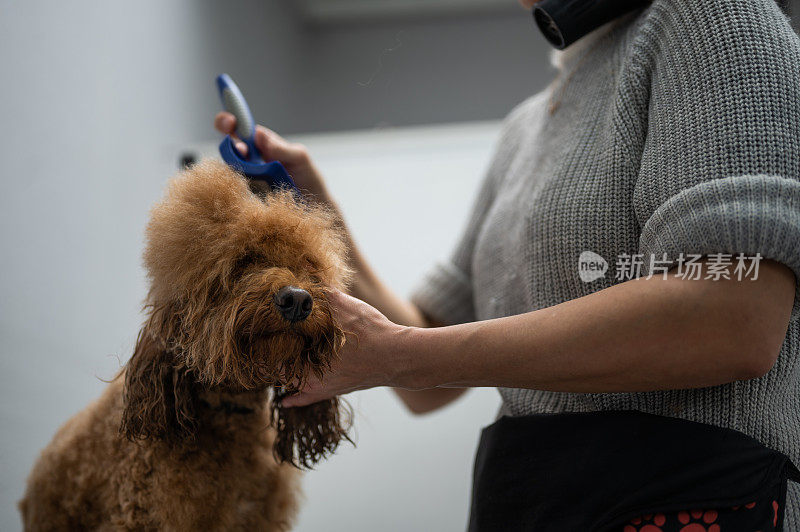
[188, 436]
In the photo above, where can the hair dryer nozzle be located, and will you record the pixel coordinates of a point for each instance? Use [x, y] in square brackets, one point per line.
[565, 21]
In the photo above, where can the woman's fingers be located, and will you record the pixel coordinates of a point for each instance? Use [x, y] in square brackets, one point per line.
[300, 399]
[314, 389]
[362, 362]
[273, 147]
[346, 307]
[242, 148]
[225, 123]
[312, 392]
[338, 299]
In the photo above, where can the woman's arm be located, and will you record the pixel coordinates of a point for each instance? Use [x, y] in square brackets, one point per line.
[645, 334]
[367, 286]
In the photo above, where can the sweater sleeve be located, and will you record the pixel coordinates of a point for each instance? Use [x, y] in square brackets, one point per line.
[720, 168]
[445, 292]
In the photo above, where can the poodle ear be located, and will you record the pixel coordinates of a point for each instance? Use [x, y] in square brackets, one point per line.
[159, 399]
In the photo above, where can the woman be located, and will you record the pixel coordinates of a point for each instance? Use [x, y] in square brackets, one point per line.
[669, 139]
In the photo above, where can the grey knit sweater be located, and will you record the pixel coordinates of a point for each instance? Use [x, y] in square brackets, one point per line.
[675, 129]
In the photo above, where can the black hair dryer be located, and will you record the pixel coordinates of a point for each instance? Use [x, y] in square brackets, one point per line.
[565, 21]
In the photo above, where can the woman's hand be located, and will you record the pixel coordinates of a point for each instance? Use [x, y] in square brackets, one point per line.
[373, 353]
[273, 147]
[366, 286]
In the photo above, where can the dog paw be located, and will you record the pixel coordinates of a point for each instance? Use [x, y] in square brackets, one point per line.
[646, 523]
[699, 521]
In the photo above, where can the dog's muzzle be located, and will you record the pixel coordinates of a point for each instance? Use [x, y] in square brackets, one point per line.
[294, 303]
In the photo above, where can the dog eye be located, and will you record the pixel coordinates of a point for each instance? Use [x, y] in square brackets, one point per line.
[244, 262]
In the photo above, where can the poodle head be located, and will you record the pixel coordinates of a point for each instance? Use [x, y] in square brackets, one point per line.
[237, 302]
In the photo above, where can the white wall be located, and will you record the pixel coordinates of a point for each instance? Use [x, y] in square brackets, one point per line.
[90, 119]
[72, 219]
[406, 194]
[97, 100]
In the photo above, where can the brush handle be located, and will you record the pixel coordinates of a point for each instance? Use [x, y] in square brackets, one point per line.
[233, 101]
[253, 167]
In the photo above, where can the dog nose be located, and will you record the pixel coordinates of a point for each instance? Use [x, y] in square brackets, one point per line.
[294, 303]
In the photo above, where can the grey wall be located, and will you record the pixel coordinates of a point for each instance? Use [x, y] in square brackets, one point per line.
[301, 77]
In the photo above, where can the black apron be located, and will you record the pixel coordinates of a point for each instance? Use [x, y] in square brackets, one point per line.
[620, 470]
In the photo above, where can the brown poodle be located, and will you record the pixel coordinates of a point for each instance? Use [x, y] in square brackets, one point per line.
[187, 436]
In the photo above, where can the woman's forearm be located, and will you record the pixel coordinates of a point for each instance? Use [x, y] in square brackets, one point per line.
[647, 334]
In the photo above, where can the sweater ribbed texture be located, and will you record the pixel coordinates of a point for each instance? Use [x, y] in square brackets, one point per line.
[675, 129]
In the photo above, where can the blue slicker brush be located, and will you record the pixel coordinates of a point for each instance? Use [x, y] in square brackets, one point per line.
[254, 166]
